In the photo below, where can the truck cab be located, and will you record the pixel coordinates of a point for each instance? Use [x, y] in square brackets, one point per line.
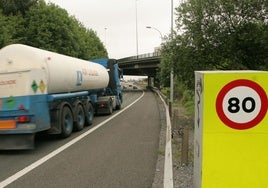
[109, 98]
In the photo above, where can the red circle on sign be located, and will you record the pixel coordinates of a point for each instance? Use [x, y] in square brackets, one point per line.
[237, 83]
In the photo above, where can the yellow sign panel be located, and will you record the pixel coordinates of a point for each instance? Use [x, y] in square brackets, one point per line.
[231, 129]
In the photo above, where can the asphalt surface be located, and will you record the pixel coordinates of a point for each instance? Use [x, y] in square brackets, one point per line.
[121, 153]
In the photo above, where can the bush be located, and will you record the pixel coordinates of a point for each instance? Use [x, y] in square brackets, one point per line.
[188, 101]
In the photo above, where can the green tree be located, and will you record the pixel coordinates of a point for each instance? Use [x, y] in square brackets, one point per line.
[10, 29]
[47, 26]
[218, 34]
[15, 7]
[50, 27]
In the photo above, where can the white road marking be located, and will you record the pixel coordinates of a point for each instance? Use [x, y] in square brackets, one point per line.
[34, 165]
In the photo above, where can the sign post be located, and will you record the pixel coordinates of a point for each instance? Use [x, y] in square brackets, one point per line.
[231, 129]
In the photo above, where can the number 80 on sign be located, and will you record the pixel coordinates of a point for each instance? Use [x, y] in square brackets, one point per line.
[241, 104]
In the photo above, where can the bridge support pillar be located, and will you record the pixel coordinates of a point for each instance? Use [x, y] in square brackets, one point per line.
[150, 81]
[153, 82]
[156, 83]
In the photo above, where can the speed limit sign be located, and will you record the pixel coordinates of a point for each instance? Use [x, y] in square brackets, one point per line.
[241, 104]
[231, 129]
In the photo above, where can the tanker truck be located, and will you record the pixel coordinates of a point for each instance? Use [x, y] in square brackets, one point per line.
[42, 91]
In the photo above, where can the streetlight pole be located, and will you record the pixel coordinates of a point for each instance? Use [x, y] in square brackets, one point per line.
[149, 27]
[105, 29]
[171, 70]
[137, 40]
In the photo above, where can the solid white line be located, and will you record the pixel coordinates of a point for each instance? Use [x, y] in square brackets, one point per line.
[32, 166]
[168, 167]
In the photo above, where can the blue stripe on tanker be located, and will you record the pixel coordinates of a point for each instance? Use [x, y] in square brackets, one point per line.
[35, 106]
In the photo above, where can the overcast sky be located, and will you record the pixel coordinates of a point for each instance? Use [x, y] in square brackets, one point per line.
[115, 22]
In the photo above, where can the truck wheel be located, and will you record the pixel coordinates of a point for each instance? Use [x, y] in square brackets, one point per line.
[66, 122]
[89, 114]
[80, 118]
[118, 107]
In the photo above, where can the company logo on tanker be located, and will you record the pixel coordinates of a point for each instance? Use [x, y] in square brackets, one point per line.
[7, 82]
[79, 78]
[90, 72]
[85, 72]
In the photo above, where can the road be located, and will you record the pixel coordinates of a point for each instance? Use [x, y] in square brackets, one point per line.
[118, 151]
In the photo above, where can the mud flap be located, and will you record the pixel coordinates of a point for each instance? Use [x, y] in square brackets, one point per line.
[17, 141]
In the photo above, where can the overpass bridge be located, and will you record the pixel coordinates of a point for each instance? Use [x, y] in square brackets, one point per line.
[141, 65]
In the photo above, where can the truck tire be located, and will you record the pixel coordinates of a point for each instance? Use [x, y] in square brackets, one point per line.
[79, 117]
[66, 121]
[118, 107]
[89, 113]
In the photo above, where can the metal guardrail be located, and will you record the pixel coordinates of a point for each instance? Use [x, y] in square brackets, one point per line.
[142, 56]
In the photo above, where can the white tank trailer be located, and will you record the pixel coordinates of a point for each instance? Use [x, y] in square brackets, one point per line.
[45, 91]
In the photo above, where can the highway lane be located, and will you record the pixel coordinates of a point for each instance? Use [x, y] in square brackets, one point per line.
[121, 153]
[13, 161]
